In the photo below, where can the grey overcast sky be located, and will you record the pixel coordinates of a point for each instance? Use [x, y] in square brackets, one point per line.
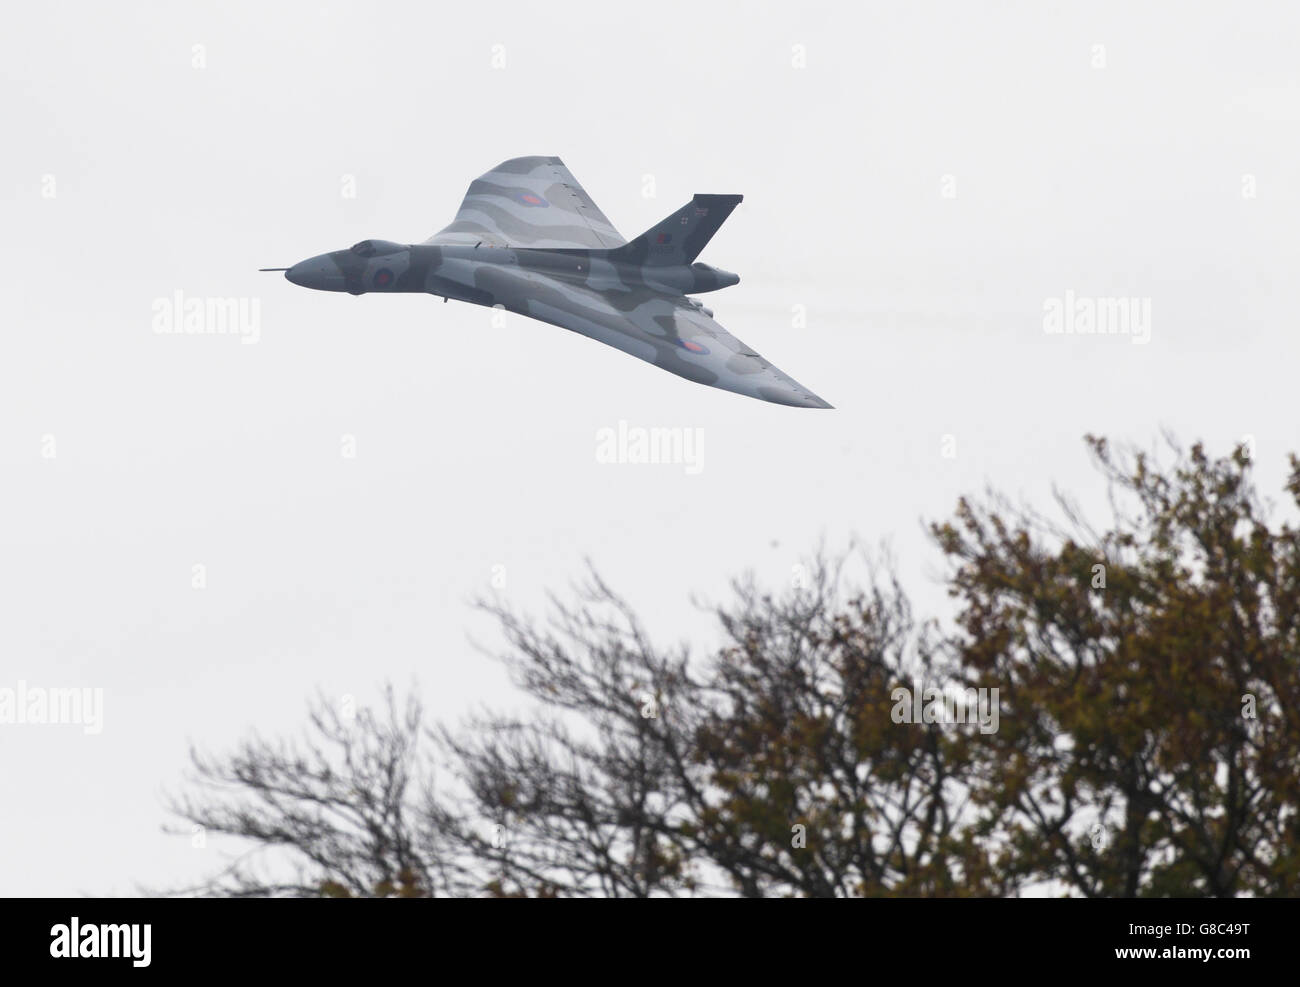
[922, 182]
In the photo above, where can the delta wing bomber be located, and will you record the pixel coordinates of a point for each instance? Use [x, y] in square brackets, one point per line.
[529, 239]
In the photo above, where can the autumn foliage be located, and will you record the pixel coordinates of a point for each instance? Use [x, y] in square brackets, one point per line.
[1147, 742]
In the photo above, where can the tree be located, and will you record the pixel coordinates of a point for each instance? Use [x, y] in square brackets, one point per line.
[1143, 738]
[1151, 745]
[341, 804]
[770, 768]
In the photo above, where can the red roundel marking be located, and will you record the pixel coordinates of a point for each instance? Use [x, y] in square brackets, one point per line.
[693, 347]
[532, 200]
[382, 277]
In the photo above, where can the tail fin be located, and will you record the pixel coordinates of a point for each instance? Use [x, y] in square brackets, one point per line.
[679, 238]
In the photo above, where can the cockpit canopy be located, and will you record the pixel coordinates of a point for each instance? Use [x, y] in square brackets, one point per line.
[374, 248]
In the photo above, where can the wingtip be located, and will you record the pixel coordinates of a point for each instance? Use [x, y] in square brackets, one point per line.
[793, 398]
[811, 400]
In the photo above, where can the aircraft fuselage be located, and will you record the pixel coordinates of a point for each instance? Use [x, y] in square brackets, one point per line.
[486, 275]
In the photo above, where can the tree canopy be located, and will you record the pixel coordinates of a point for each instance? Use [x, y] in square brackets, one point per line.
[1113, 713]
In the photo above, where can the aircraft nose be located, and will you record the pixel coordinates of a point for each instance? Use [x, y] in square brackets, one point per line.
[321, 273]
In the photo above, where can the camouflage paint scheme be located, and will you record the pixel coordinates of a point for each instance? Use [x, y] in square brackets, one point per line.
[528, 238]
